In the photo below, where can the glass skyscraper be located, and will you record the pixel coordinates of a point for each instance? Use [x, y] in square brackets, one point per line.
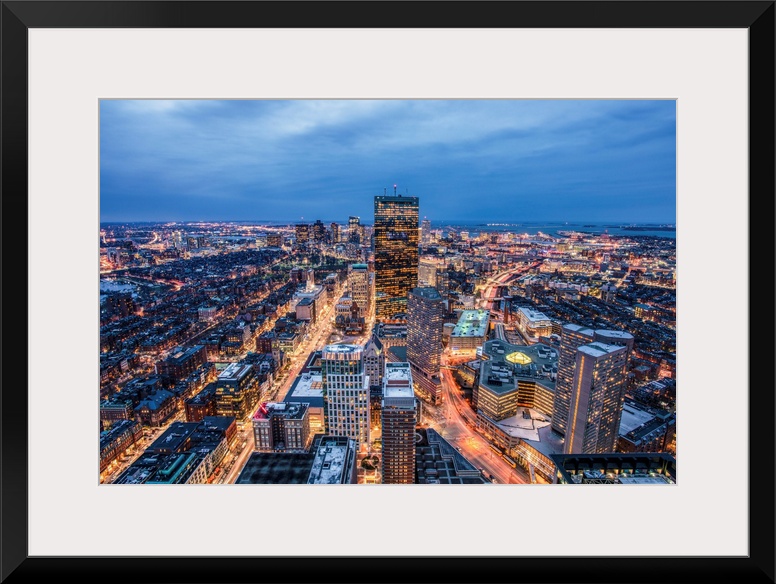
[396, 253]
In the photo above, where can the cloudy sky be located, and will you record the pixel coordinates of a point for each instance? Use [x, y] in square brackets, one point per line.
[473, 160]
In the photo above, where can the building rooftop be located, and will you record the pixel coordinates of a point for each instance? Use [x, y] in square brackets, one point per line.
[427, 292]
[472, 323]
[504, 363]
[332, 456]
[438, 462]
[533, 315]
[397, 373]
[342, 351]
[290, 411]
[276, 468]
[234, 371]
[599, 349]
[307, 388]
[526, 428]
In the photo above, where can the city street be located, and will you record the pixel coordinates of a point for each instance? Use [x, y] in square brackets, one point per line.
[457, 427]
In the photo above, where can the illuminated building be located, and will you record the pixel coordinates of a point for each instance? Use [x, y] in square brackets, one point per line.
[398, 418]
[318, 231]
[202, 404]
[374, 361]
[274, 240]
[533, 323]
[427, 271]
[396, 253]
[619, 468]
[470, 332]
[114, 442]
[302, 231]
[425, 321]
[512, 377]
[425, 232]
[573, 336]
[308, 389]
[597, 394]
[236, 391]
[346, 388]
[281, 427]
[645, 429]
[354, 230]
[359, 287]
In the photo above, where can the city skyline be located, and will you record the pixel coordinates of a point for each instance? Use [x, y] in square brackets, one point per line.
[292, 160]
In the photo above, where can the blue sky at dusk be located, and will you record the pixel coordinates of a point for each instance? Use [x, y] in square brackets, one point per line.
[472, 160]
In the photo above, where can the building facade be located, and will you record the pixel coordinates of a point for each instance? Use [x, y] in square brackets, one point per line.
[346, 389]
[573, 336]
[597, 394]
[425, 321]
[360, 287]
[282, 427]
[398, 415]
[396, 253]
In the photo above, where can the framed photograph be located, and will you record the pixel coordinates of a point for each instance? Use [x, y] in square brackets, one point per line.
[78, 77]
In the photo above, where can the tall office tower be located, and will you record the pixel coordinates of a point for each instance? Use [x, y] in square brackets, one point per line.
[346, 389]
[398, 417]
[359, 286]
[396, 253]
[318, 230]
[335, 233]
[374, 361]
[302, 233]
[425, 232]
[597, 394]
[425, 321]
[573, 336]
[354, 230]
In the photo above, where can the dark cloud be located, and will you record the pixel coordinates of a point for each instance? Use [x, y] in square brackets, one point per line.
[516, 160]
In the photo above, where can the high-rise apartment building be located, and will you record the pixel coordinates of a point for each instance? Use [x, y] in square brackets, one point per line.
[354, 230]
[572, 337]
[426, 312]
[302, 231]
[425, 232]
[396, 253]
[360, 287]
[318, 231]
[597, 394]
[346, 388]
[398, 416]
[335, 232]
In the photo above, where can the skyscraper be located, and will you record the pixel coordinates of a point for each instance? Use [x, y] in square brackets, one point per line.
[302, 233]
[425, 322]
[335, 234]
[318, 230]
[597, 392]
[396, 253]
[360, 288]
[425, 232]
[398, 425]
[572, 337]
[354, 229]
[346, 388]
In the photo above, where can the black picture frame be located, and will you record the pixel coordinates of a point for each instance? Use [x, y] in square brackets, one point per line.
[756, 16]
